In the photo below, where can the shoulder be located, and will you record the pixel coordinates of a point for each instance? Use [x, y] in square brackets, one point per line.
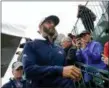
[34, 44]
[96, 43]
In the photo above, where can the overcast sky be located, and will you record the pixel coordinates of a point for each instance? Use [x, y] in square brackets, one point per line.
[31, 13]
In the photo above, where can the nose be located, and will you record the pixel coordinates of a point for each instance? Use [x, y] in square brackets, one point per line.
[51, 24]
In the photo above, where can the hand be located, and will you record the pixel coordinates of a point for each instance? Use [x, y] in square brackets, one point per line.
[106, 59]
[78, 44]
[83, 45]
[73, 43]
[72, 72]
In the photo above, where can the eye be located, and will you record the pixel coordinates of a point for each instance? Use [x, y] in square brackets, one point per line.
[49, 22]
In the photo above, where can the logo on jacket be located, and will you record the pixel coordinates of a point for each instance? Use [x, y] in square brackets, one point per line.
[24, 55]
[60, 52]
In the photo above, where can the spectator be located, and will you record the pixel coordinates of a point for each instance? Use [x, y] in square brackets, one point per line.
[69, 49]
[90, 53]
[73, 37]
[58, 39]
[106, 50]
[66, 43]
[106, 53]
[78, 42]
[17, 81]
[44, 62]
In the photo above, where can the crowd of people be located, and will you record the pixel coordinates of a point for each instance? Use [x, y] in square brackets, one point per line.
[46, 64]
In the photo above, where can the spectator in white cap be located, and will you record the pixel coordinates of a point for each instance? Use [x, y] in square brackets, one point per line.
[17, 81]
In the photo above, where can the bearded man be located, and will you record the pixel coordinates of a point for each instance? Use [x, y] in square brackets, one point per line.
[44, 62]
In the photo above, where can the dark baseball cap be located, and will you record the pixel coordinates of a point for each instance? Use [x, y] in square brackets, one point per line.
[84, 33]
[53, 18]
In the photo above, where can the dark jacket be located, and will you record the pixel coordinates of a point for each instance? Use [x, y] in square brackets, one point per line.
[11, 84]
[71, 55]
[43, 65]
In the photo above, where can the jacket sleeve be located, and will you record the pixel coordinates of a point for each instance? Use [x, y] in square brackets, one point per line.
[33, 70]
[96, 52]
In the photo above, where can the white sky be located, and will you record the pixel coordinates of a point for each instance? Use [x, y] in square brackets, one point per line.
[31, 13]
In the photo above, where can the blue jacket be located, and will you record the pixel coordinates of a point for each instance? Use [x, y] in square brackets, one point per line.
[43, 65]
[11, 84]
[91, 55]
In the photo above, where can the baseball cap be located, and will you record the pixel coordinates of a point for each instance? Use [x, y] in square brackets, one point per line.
[71, 35]
[16, 65]
[53, 18]
[83, 33]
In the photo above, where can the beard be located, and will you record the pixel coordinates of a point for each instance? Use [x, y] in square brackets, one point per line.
[50, 31]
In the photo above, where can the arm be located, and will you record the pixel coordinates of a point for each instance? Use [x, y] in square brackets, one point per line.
[34, 70]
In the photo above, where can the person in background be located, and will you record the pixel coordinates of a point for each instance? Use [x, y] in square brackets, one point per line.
[17, 81]
[70, 45]
[75, 40]
[69, 49]
[106, 50]
[90, 53]
[44, 63]
[73, 37]
[106, 53]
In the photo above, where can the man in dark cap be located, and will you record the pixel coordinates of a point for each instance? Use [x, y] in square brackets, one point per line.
[44, 63]
[90, 53]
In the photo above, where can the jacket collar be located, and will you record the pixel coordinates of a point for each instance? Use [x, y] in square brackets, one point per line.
[37, 36]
